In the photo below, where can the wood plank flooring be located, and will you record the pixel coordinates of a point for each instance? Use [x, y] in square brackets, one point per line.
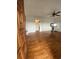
[44, 45]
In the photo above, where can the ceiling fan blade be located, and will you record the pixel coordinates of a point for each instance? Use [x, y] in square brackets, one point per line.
[57, 15]
[58, 12]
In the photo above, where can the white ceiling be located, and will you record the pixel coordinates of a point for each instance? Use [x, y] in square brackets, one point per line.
[41, 8]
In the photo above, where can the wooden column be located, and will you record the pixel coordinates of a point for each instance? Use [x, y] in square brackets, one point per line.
[21, 35]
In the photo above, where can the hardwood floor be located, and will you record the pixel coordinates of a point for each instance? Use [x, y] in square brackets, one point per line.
[44, 45]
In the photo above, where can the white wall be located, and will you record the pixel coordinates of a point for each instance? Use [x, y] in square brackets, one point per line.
[44, 24]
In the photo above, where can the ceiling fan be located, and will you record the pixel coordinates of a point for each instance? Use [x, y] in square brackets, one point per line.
[56, 13]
